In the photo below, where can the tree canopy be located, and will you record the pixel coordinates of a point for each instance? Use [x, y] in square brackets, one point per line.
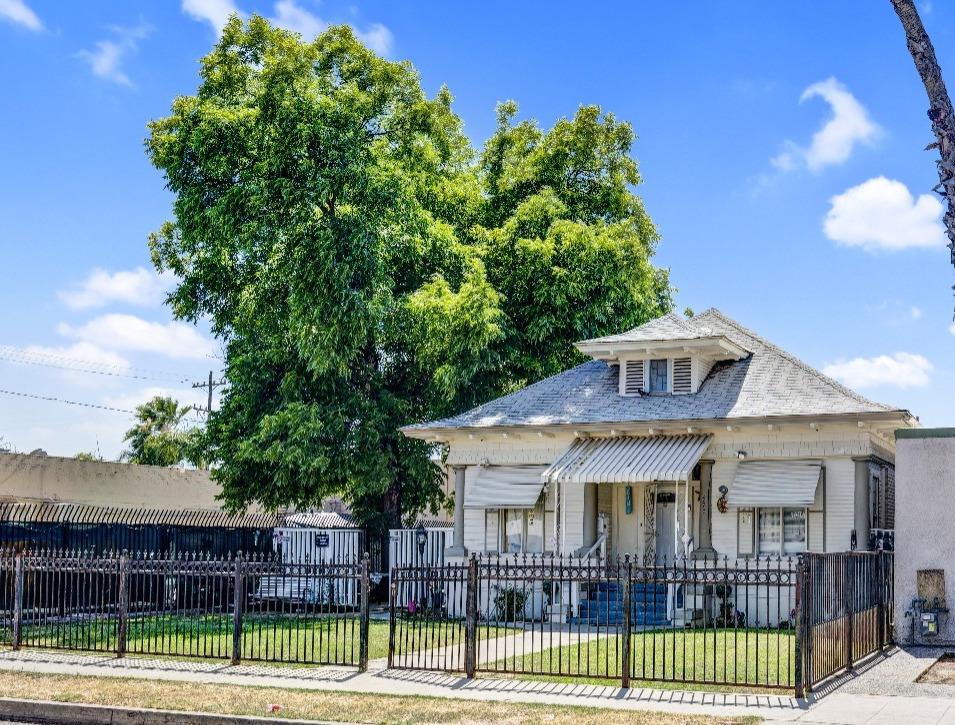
[365, 267]
[159, 437]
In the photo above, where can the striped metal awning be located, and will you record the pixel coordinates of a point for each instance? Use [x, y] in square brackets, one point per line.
[775, 483]
[629, 459]
[68, 513]
[506, 487]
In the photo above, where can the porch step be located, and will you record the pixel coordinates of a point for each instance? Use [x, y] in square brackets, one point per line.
[603, 605]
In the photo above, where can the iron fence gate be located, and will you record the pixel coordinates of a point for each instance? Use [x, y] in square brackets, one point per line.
[427, 617]
[258, 608]
[849, 611]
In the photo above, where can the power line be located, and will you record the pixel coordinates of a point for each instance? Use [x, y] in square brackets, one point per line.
[64, 362]
[51, 399]
[211, 385]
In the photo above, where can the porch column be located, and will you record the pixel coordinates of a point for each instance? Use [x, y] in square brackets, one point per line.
[457, 549]
[705, 549]
[590, 515]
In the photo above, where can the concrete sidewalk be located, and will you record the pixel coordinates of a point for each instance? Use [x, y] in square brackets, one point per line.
[830, 707]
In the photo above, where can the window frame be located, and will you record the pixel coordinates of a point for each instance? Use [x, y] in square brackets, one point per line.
[656, 362]
[538, 512]
[781, 547]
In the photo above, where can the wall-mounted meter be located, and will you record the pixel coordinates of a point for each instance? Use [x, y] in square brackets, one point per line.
[928, 622]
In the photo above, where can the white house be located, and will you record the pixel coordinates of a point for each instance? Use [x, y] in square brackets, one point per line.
[680, 438]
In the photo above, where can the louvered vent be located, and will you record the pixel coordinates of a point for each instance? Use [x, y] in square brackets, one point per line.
[682, 376]
[633, 377]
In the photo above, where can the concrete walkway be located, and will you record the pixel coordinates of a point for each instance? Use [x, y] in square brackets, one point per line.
[843, 702]
[507, 647]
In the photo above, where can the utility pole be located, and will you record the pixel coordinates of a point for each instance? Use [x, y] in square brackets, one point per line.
[211, 385]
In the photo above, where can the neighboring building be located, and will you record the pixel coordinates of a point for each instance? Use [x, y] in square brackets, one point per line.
[925, 545]
[682, 437]
[65, 502]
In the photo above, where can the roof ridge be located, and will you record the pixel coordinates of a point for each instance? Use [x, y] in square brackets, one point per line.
[806, 367]
[671, 315]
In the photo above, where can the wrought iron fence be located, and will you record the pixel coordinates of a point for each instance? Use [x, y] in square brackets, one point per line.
[849, 612]
[703, 622]
[187, 605]
[767, 623]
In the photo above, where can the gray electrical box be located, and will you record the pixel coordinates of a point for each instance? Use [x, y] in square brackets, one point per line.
[928, 624]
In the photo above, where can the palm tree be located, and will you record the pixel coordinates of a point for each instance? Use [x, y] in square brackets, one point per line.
[159, 437]
[940, 110]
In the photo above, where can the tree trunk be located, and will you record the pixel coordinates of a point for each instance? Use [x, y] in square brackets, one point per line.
[940, 108]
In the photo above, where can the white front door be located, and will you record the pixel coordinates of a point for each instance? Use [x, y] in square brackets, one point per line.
[666, 526]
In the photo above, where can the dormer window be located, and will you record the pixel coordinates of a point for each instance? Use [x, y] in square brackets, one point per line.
[659, 381]
[662, 376]
[666, 356]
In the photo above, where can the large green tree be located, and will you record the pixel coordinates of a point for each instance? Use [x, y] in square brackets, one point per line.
[365, 268]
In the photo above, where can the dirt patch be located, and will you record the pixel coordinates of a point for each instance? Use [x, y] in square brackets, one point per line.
[942, 672]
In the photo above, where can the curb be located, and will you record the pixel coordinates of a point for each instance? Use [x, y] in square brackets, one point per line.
[44, 712]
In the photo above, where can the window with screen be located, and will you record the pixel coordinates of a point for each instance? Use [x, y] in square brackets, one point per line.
[659, 376]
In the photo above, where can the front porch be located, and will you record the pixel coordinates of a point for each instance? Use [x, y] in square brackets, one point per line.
[646, 498]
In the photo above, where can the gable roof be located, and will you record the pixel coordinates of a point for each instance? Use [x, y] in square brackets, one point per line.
[770, 382]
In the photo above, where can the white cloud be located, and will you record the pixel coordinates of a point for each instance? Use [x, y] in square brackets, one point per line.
[916, 312]
[106, 59]
[18, 12]
[138, 286]
[75, 355]
[291, 16]
[833, 143]
[185, 396]
[287, 14]
[377, 37]
[214, 12]
[901, 370]
[881, 213]
[128, 332]
[951, 328]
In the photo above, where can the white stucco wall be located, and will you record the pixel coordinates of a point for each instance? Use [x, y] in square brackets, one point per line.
[52, 479]
[924, 521]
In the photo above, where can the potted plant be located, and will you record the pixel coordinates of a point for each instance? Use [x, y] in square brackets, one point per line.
[725, 616]
[509, 604]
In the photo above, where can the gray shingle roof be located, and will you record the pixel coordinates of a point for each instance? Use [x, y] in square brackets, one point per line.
[668, 327]
[769, 382]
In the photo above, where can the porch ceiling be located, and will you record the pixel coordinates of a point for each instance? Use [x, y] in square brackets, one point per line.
[629, 459]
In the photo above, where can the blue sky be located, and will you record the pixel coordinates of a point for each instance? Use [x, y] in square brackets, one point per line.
[780, 144]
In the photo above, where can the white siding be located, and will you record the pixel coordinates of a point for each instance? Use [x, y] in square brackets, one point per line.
[840, 503]
[572, 525]
[835, 445]
[701, 368]
[724, 525]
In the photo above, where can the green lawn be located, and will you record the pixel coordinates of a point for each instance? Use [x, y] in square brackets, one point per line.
[757, 657]
[287, 638]
[264, 637]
